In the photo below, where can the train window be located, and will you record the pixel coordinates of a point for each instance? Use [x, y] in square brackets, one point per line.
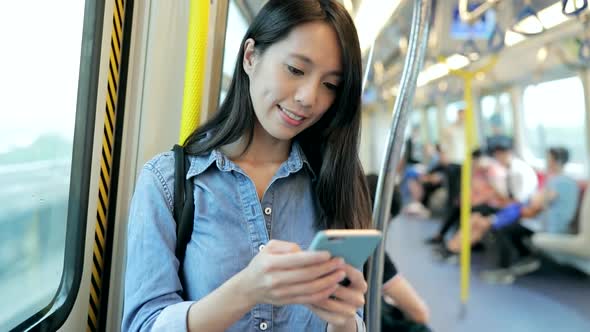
[496, 115]
[553, 114]
[415, 119]
[431, 115]
[236, 29]
[40, 73]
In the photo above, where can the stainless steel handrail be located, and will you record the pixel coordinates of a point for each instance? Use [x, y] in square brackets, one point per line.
[418, 41]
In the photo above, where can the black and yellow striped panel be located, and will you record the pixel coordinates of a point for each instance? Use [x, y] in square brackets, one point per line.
[106, 167]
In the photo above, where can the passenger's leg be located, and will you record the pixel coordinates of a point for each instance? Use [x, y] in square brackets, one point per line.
[429, 189]
[451, 219]
[518, 235]
[479, 227]
[525, 261]
[453, 175]
[502, 258]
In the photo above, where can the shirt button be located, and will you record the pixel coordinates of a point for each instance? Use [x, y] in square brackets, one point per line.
[268, 211]
[263, 326]
[260, 247]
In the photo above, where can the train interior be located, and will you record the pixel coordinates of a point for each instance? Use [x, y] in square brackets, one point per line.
[91, 90]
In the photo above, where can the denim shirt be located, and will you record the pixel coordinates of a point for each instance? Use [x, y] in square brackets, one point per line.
[230, 226]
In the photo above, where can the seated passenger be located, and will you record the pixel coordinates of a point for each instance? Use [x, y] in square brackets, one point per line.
[516, 188]
[396, 202]
[422, 184]
[485, 198]
[404, 309]
[521, 180]
[434, 177]
[553, 207]
[411, 189]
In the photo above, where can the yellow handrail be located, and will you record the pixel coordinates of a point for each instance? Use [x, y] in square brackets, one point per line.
[470, 144]
[194, 79]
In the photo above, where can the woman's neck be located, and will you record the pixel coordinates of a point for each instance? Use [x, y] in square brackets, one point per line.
[264, 149]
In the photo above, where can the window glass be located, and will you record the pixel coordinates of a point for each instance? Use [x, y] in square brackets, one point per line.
[496, 115]
[415, 118]
[553, 115]
[38, 88]
[431, 114]
[236, 29]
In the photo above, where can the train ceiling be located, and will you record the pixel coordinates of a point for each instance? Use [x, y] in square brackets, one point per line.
[391, 43]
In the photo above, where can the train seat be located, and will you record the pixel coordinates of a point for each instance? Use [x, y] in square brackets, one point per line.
[570, 249]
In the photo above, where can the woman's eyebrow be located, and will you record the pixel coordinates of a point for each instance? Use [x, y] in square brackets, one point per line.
[310, 62]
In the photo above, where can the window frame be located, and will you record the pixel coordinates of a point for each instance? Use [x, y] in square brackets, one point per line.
[57, 311]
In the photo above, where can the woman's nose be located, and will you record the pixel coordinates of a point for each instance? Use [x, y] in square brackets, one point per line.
[306, 94]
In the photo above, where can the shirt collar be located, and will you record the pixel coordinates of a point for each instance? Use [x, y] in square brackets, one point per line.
[297, 160]
[199, 164]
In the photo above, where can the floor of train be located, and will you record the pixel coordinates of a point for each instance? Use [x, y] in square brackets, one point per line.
[551, 299]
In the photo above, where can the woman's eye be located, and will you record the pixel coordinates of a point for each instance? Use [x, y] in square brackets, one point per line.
[294, 71]
[331, 86]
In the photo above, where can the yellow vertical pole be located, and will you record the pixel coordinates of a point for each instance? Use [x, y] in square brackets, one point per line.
[196, 54]
[465, 229]
[470, 144]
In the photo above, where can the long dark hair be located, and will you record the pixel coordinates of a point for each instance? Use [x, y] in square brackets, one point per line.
[331, 144]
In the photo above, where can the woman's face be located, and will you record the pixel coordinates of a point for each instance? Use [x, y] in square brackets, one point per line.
[294, 82]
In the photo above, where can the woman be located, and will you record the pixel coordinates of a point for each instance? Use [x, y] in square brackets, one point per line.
[277, 163]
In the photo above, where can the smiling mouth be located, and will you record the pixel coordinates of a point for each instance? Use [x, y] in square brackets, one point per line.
[291, 115]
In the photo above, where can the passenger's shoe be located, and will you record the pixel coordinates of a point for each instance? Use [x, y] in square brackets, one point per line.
[416, 209]
[442, 254]
[525, 266]
[498, 276]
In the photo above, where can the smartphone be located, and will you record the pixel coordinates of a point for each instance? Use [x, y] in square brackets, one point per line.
[354, 246]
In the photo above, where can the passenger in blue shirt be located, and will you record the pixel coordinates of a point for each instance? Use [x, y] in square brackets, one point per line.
[277, 163]
[554, 206]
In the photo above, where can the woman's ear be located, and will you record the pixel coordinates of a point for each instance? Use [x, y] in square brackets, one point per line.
[249, 56]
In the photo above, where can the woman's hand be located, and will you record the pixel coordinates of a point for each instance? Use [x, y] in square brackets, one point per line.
[284, 274]
[339, 310]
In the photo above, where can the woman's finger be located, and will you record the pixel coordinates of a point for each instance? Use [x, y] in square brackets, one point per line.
[338, 307]
[350, 296]
[357, 280]
[308, 273]
[309, 298]
[310, 287]
[295, 260]
[330, 317]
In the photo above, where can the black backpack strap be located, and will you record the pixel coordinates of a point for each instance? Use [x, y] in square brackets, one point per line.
[178, 182]
[184, 207]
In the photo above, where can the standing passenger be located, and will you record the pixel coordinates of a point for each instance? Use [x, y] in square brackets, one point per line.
[276, 164]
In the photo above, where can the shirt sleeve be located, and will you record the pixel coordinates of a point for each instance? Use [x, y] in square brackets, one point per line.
[152, 287]
[524, 181]
[389, 269]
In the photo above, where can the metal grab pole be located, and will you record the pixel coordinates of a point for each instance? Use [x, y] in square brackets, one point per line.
[421, 21]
